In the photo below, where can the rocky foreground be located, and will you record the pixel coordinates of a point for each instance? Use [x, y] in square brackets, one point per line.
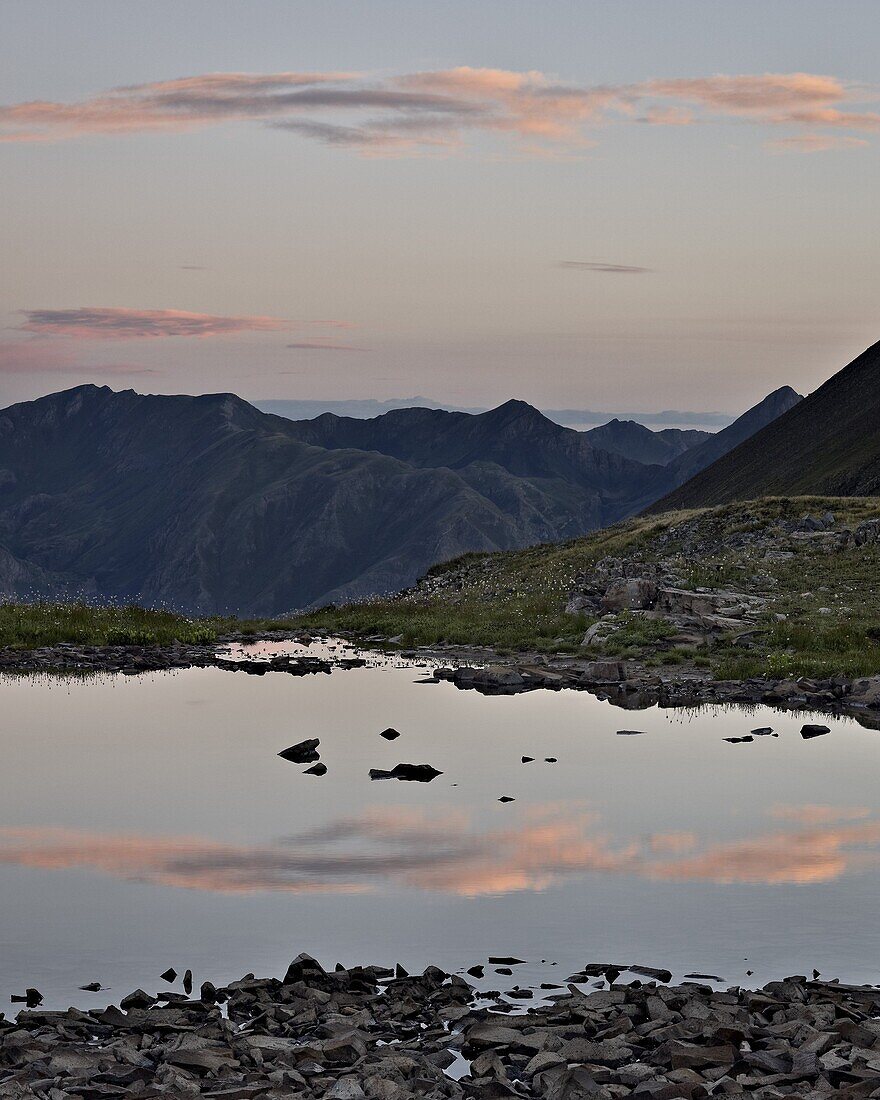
[387, 1035]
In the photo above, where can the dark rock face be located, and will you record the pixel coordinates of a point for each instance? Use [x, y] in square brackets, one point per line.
[827, 444]
[372, 1033]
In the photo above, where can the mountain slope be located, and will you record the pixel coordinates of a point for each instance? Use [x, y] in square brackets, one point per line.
[828, 443]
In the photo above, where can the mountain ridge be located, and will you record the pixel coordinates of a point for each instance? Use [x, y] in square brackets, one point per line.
[206, 504]
[829, 443]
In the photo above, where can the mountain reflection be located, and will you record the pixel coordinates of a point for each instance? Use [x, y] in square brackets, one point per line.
[448, 853]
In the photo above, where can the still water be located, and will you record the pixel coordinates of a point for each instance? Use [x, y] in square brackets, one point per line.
[147, 822]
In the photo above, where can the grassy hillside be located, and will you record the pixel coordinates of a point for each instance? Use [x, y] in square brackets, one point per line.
[516, 600]
[828, 443]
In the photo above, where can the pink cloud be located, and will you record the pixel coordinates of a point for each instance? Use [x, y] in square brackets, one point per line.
[99, 323]
[37, 357]
[432, 111]
[813, 143]
[751, 94]
[550, 843]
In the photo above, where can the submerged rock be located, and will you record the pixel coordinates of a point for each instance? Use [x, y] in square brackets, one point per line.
[809, 731]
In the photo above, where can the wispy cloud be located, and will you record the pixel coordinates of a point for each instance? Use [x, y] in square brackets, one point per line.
[814, 143]
[323, 345]
[39, 357]
[128, 324]
[434, 110]
[603, 268]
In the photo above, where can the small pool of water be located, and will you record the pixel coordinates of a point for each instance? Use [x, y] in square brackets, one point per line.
[147, 822]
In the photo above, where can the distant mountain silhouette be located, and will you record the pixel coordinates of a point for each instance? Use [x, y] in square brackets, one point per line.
[829, 443]
[634, 440]
[209, 505]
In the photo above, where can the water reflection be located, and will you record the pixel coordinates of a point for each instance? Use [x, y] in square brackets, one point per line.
[447, 852]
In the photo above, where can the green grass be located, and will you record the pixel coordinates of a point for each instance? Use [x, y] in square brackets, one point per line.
[515, 601]
[28, 626]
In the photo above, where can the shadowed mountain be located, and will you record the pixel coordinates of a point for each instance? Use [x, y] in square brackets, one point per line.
[634, 440]
[829, 443]
[208, 505]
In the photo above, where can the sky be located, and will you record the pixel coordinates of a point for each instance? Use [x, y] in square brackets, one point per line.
[579, 204]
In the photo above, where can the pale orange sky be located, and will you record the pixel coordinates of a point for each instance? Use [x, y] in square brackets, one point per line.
[604, 206]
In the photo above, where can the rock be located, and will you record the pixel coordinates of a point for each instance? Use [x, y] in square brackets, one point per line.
[738, 740]
[302, 753]
[476, 971]
[31, 997]
[137, 999]
[505, 960]
[630, 733]
[92, 987]
[604, 672]
[410, 773]
[809, 731]
[316, 769]
[346, 1088]
[865, 692]
[188, 982]
[170, 975]
[550, 760]
[659, 974]
[628, 594]
[527, 759]
[506, 798]
[390, 734]
[762, 731]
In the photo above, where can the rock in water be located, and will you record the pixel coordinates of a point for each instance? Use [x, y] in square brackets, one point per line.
[411, 773]
[316, 769]
[391, 734]
[630, 733]
[809, 731]
[506, 798]
[170, 975]
[303, 753]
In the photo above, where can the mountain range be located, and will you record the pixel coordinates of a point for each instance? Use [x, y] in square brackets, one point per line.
[829, 443]
[209, 505]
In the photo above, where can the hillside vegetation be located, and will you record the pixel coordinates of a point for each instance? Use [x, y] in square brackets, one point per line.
[816, 593]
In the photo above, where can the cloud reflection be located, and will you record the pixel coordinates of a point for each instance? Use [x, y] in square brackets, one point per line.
[448, 853]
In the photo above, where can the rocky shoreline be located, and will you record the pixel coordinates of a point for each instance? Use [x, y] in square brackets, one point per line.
[370, 1032]
[67, 657]
[626, 684]
[631, 687]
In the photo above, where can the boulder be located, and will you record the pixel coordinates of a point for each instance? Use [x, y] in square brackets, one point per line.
[630, 594]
